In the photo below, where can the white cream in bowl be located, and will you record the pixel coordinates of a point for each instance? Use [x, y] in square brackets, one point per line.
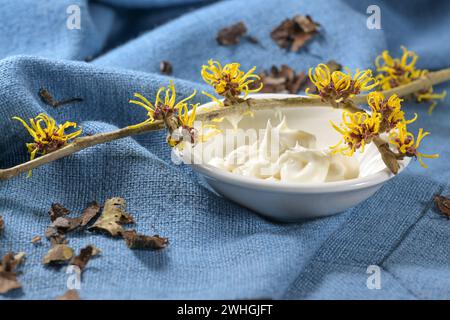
[286, 155]
[293, 177]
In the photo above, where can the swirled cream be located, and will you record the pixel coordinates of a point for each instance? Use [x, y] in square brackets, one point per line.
[287, 155]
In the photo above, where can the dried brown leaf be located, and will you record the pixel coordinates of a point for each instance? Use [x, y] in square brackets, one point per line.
[12, 261]
[389, 157]
[282, 80]
[71, 294]
[8, 282]
[443, 204]
[8, 276]
[62, 224]
[294, 33]
[253, 40]
[165, 67]
[333, 65]
[2, 224]
[89, 213]
[59, 253]
[135, 240]
[231, 35]
[36, 239]
[65, 224]
[285, 79]
[82, 259]
[55, 236]
[113, 217]
[58, 228]
[57, 210]
[47, 98]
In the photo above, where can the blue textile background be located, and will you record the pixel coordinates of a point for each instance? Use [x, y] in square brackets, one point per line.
[217, 249]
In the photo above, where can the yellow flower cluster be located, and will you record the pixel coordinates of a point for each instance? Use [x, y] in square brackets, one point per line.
[178, 117]
[407, 145]
[162, 106]
[185, 129]
[357, 129]
[187, 118]
[48, 136]
[229, 81]
[337, 86]
[394, 72]
[390, 110]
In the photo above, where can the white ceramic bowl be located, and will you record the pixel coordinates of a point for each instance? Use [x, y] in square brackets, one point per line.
[296, 201]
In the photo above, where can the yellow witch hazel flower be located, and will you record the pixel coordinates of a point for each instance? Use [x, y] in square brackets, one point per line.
[176, 115]
[187, 119]
[407, 145]
[402, 68]
[338, 86]
[357, 129]
[163, 106]
[360, 128]
[394, 72]
[47, 134]
[186, 131]
[229, 81]
[390, 110]
[429, 95]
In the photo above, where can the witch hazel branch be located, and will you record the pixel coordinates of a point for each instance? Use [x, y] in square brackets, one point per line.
[372, 110]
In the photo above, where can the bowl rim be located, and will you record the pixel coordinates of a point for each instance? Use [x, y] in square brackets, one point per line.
[296, 187]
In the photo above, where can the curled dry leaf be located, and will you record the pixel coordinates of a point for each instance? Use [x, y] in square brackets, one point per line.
[59, 253]
[443, 204]
[55, 236]
[36, 239]
[82, 259]
[71, 294]
[135, 240]
[18, 258]
[113, 217]
[165, 67]
[254, 40]
[62, 224]
[57, 210]
[65, 224]
[58, 228]
[47, 98]
[88, 214]
[333, 65]
[295, 32]
[2, 224]
[8, 276]
[282, 80]
[285, 79]
[389, 157]
[231, 35]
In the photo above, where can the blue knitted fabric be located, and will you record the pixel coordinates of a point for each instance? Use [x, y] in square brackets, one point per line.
[217, 249]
